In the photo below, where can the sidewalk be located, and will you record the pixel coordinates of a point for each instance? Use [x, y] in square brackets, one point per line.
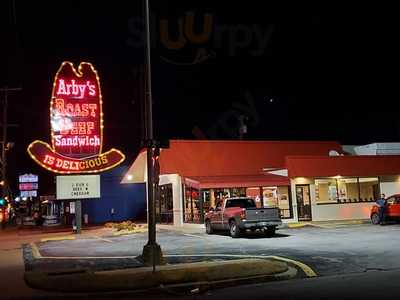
[54, 229]
[185, 228]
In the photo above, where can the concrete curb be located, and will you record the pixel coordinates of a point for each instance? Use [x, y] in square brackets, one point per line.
[58, 238]
[203, 273]
[128, 232]
[324, 224]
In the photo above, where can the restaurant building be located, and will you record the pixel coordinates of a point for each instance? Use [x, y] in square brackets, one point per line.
[307, 180]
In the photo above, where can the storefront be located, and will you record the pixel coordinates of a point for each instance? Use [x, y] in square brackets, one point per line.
[341, 187]
[195, 175]
[308, 181]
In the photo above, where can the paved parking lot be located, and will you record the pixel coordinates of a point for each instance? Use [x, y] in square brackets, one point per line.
[355, 248]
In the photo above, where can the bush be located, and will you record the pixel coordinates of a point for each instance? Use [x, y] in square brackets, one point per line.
[125, 225]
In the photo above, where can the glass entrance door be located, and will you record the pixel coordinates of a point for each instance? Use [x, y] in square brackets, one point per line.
[303, 202]
[164, 205]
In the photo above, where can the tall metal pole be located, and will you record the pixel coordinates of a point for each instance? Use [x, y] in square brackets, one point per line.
[152, 253]
[4, 142]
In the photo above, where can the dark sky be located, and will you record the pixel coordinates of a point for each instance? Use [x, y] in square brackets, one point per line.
[304, 72]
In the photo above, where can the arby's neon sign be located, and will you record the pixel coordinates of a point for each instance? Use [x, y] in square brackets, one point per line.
[76, 119]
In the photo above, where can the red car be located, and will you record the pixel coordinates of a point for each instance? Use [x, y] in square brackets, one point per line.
[392, 210]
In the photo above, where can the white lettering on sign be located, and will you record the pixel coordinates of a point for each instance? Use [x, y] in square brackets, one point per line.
[77, 140]
[76, 109]
[78, 187]
[75, 89]
[28, 194]
[28, 178]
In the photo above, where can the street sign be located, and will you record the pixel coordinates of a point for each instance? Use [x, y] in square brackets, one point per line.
[78, 187]
[28, 193]
[28, 178]
[28, 186]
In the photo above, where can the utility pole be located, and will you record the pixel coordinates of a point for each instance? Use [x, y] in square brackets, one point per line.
[4, 142]
[152, 254]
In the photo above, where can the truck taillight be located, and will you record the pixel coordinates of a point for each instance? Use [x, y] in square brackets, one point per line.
[243, 214]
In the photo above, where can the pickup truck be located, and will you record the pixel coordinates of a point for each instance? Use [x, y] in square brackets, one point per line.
[240, 213]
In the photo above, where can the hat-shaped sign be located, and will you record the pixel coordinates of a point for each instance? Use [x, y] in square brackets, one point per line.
[76, 119]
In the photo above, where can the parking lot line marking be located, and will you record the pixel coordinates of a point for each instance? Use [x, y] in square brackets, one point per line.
[103, 239]
[192, 235]
[306, 269]
[35, 251]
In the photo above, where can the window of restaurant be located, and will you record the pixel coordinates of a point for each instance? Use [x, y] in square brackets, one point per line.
[206, 200]
[369, 188]
[164, 205]
[272, 197]
[346, 190]
[278, 197]
[223, 193]
[254, 192]
[284, 202]
[192, 209]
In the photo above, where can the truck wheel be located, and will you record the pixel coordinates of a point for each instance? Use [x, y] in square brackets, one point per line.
[375, 219]
[209, 229]
[270, 231]
[234, 229]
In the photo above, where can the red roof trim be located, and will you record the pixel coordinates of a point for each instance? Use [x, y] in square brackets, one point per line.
[192, 158]
[241, 181]
[326, 166]
[256, 141]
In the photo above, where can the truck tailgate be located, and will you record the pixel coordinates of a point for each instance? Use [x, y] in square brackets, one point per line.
[262, 214]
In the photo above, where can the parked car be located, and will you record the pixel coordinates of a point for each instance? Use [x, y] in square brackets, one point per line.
[392, 210]
[240, 213]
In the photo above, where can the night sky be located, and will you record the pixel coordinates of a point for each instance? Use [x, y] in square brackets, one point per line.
[295, 72]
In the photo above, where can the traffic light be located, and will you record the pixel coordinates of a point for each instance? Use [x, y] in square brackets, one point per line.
[2, 202]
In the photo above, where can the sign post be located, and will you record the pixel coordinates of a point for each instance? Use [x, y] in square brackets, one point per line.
[77, 187]
[78, 216]
[28, 185]
[152, 254]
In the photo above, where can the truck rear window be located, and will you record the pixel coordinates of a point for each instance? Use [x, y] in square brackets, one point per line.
[243, 203]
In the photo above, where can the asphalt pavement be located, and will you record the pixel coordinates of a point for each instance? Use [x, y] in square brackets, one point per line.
[328, 251]
[370, 285]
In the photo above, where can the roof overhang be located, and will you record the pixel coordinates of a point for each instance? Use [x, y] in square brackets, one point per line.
[137, 172]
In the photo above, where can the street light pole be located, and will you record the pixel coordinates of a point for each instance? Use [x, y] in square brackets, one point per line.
[152, 253]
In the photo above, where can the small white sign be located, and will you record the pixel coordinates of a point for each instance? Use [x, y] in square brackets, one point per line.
[28, 178]
[28, 193]
[72, 207]
[78, 187]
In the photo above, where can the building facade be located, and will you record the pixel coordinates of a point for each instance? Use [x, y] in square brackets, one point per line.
[308, 181]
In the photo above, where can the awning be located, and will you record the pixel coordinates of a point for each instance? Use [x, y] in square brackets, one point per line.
[240, 181]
